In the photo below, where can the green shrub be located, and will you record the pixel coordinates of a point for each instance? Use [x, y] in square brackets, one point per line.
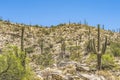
[108, 61]
[11, 67]
[115, 49]
[75, 53]
[30, 49]
[44, 60]
[91, 58]
[45, 31]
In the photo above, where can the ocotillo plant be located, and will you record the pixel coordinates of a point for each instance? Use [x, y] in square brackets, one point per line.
[22, 38]
[98, 52]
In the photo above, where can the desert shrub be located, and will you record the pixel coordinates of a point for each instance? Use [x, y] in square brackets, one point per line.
[36, 25]
[45, 31]
[47, 49]
[61, 24]
[75, 53]
[30, 49]
[91, 58]
[16, 29]
[11, 65]
[108, 61]
[44, 60]
[115, 49]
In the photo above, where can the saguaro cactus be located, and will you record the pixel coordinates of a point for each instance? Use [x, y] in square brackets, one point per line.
[98, 52]
[89, 46]
[22, 38]
[41, 45]
[89, 33]
[77, 45]
[63, 48]
[22, 47]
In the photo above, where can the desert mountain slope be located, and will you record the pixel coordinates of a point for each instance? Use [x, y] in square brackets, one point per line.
[45, 46]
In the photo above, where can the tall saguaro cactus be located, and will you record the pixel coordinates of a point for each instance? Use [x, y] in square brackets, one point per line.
[98, 51]
[22, 47]
[22, 38]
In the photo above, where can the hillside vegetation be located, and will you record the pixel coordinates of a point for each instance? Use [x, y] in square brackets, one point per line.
[63, 52]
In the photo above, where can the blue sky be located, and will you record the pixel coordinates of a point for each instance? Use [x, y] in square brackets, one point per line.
[53, 12]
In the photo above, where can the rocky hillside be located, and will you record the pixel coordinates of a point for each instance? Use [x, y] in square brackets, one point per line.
[62, 52]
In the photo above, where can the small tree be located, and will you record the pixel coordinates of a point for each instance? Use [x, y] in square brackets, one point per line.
[12, 69]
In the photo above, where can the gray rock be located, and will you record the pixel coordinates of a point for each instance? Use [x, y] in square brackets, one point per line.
[82, 68]
[92, 77]
[65, 63]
